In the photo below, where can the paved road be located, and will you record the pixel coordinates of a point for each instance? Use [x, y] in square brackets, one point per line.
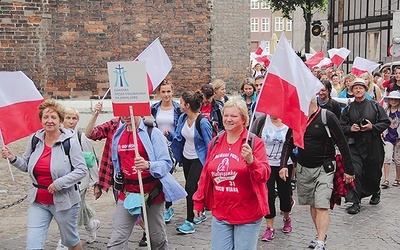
[375, 227]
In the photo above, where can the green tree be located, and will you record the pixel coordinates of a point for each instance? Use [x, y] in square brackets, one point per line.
[288, 6]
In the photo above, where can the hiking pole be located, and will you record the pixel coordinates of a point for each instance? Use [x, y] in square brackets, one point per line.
[146, 224]
[8, 161]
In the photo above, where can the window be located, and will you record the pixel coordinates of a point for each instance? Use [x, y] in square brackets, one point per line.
[255, 4]
[266, 5]
[374, 45]
[278, 23]
[265, 25]
[288, 25]
[254, 25]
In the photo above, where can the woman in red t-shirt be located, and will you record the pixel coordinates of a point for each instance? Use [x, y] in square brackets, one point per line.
[232, 183]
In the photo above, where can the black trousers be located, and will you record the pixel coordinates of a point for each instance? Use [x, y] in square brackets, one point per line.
[191, 170]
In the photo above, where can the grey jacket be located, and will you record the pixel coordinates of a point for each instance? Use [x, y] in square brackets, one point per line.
[60, 168]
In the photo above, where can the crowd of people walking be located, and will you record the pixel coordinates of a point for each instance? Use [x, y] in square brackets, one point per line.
[235, 161]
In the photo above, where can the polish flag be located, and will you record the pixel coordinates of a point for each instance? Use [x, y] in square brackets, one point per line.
[261, 55]
[19, 102]
[157, 62]
[315, 59]
[324, 63]
[288, 89]
[338, 55]
[362, 65]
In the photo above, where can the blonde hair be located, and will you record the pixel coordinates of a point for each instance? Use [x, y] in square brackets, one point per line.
[370, 79]
[241, 105]
[218, 83]
[71, 111]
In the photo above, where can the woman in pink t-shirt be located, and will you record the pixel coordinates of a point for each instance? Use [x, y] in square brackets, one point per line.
[232, 183]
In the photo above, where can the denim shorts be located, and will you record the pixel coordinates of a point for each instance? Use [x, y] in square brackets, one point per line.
[39, 218]
[314, 186]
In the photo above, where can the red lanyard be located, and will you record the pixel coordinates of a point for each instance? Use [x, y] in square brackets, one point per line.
[312, 117]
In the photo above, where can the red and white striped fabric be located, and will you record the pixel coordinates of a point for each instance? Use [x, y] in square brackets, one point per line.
[338, 56]
[288, 89]
[261, 55]
[157, 62]
[19, 102]
[315, 59]
[362, 65]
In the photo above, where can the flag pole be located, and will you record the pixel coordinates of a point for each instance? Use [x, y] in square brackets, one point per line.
[8, 161]
[255, 108]
[146, 224]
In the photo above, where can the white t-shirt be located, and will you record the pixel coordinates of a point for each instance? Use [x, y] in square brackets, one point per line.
[273, 138]
[165, 120]
[189, 150]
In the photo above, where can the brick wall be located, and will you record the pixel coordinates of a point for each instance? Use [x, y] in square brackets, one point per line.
[64, 46]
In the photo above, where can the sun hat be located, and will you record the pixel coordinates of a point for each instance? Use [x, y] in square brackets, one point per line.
[393, 95]
[359, 81]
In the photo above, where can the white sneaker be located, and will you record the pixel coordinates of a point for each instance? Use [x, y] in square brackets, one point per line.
[61, 246]
[92, 229]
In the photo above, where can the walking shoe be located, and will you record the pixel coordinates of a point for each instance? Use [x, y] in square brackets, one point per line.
[92, 229]
[268, 235]
[375, 198]
[202, 218]
[287, 225]
[168, 214]
[293, 184]
[186, 228]
[143, 240]
[354, 209]
[314, 242]
[319, 246]
[61, 246]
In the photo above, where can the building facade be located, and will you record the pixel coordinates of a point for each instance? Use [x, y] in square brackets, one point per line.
[64, 45]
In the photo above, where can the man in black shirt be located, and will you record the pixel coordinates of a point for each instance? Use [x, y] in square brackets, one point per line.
[316, 167]
[363, 122]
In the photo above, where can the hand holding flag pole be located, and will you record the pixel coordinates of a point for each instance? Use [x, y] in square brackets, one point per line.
[8, 161]
[146, 224]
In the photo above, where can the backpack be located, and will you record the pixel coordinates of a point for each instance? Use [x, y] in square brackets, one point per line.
[214, 126]
[90, 156]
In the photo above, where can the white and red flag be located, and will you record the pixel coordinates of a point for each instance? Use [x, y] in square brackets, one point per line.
[338, 56]
[288, 89]
[261, 54]
[315, 59]
[362, 65]
[157, 62]
[19, 102]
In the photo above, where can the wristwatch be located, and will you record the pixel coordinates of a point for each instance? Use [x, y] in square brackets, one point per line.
[149, 165]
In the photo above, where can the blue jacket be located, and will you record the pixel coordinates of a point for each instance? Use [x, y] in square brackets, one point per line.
[177, 111]
[200, 143]
[160, 161]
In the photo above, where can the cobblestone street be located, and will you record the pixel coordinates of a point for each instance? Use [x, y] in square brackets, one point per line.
[375, 227]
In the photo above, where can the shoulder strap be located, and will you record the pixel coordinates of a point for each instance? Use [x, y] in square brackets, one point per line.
[67, 146]
[34, 142]
[80, 137]
[324, 121]
[149, 130]
[198, 120]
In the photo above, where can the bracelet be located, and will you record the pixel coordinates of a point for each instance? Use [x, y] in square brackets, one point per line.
[13, 161]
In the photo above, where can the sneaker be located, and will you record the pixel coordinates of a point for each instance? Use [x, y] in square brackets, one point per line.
[268, 235]
[168, 214]
[287, 225]
[320, 245]
[143, 240]
[186, 228]
[202, 218]
[92, 229]
[314, 242]
[61, 246]
[293, 184]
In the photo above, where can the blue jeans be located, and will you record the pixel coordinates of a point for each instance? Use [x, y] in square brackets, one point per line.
[39, 218]
[225, 236]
